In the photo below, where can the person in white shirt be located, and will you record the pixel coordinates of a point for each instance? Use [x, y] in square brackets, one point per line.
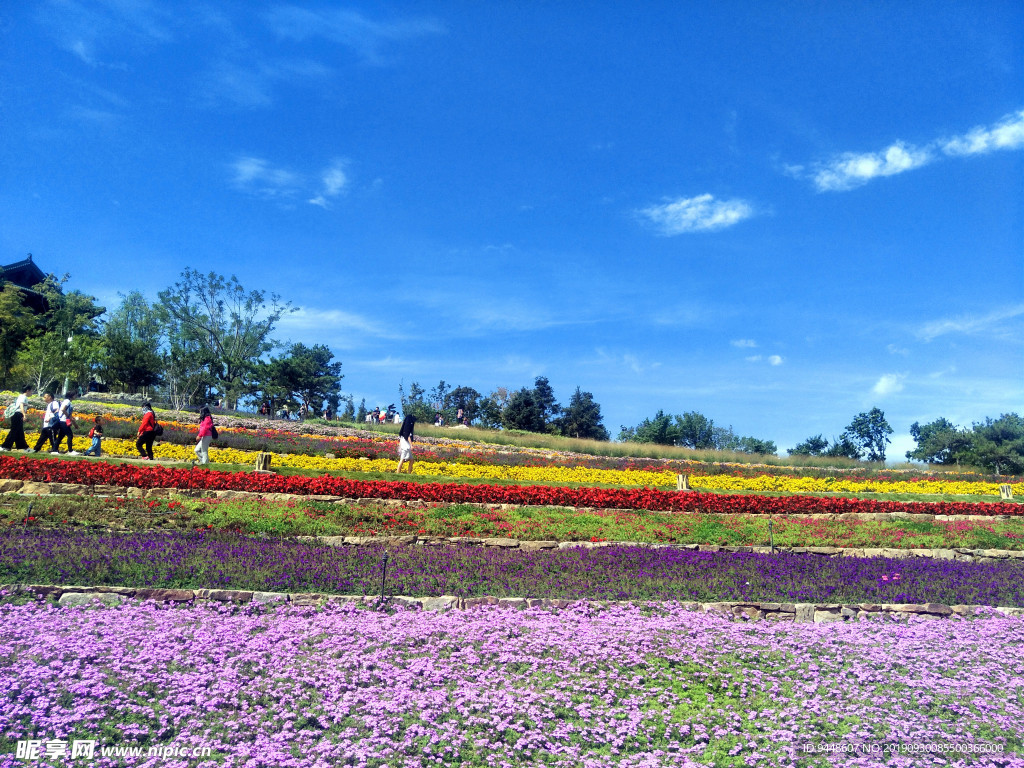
[16, 436]
[48, 432]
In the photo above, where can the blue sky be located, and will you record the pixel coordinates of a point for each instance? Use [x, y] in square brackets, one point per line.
[777, 214]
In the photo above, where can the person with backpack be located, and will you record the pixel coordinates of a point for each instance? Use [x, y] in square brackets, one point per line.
[49, 429]
[147, 432]
[15, 413]
[96, 433]
[207, 434]
[65, 421]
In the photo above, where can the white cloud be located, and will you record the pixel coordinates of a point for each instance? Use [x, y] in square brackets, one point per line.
[894, 350]
[258, 177]
[753, 359]
[775, 360]
[853, 170]
[770, 359]
[697, 214]
[889, 384]
[1008, 133]
[743, 343]
[333, 181]
[972, 324]
[349, 28]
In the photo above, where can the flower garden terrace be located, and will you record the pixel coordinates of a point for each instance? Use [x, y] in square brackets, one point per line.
[348, 454]
[118, 476]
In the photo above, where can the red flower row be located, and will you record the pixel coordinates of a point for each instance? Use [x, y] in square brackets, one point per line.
[130, 475]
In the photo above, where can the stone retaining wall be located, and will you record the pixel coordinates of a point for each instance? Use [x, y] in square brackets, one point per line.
[818, 613]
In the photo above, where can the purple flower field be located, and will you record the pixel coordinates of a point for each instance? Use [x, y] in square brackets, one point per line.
[624, 686]
[230, 561]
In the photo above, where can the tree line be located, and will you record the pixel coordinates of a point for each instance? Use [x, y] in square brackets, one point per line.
[206, 339]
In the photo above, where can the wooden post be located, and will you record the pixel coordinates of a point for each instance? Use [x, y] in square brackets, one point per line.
[1006, 492]
[683, 483]
[263, 462]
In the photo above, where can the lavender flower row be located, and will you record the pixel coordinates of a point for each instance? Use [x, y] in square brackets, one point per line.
[229, 561]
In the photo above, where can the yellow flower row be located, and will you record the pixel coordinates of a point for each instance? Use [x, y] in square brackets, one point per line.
[580, 475]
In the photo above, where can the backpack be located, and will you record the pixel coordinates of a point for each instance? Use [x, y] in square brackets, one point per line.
[213, 431]
[66, 411]
[158, 429]
[10, 410]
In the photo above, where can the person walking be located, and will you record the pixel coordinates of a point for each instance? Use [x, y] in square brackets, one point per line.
[405, 438]
[49, 429]
[96, 433]
[205, 436]
[65, 421]
[16, 435]
[147, 433]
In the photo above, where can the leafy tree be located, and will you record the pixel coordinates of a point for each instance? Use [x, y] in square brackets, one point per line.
[466, 398]
[868, 432]
[756, 445]
[69, 347]
[939, 442]
[133, 335]
[582, 418]
[492, 407]
[695, 430]
[999, 444]
[306, 375]
[660, 430]
[812, 446]
[231, 325]
[523, 412]
[349, 414]
[17, 323]
[361, 413]
[415, 404]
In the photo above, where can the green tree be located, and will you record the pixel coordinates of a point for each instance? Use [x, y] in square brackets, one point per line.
[492, 407]
[361, 413]
[415, 404]
[544, 397]
[230, 324]
[582, 418]
[523, 412]
[305, 375]
[133, 336]
[939, 442]
[695, 431]
[660, 430]
[69, 348]
[869, 433]
[757, 445]
[812, 446]
[999, 444]
[349, 414]
[466, 398]
[17, 323]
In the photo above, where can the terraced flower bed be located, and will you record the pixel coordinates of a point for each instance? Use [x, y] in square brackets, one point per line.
[306, 517]
[127, 475]
[638, 687]
[232, 561]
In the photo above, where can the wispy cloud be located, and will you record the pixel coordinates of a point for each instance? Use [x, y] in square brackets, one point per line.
[770, 359]
[333, 182]
[993, 324]
[889, 384]
[696, 214]
[89, 31]
[351, 29]
[628, 360]
[260, 178]
[775, 360]
[334, 327]
[850, 170]
[744, 343]
[1008, 133]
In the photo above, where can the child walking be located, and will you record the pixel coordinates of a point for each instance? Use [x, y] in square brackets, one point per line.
[96, 433]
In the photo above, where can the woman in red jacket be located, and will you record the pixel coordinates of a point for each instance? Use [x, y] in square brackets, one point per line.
[205, 435]
[147, 433]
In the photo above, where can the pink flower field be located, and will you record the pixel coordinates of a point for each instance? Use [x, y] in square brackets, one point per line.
[621, 686]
